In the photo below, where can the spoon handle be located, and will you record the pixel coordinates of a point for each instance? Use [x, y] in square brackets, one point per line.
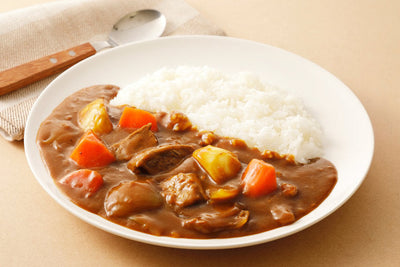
[28, 73]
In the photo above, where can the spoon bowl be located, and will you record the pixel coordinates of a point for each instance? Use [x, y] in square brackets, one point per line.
[139, 25]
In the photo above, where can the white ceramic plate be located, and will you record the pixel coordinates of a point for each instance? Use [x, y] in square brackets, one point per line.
[348, 142]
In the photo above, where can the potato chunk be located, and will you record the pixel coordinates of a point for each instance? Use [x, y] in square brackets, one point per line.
[94, 117]
[219, 163]
[223, 194]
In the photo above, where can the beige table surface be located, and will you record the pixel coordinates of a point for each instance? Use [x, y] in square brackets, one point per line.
[356, 40]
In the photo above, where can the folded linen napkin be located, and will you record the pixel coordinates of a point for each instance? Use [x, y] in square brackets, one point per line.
[41, 30]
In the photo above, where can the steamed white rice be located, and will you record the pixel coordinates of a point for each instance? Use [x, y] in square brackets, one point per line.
[236, 105]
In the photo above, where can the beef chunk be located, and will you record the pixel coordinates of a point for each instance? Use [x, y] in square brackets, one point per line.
[282, 214]
[218, 220]
[138, 140]
[175, 121]
[182, 190]
[207, 138]
[159, 159]
[289, 190]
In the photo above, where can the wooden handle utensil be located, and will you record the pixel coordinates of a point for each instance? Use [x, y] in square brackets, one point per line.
[25, 74]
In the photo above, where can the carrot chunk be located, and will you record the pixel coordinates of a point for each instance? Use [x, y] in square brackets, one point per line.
[91, 152]
[136, 118]
[258, 179]
[84, 180]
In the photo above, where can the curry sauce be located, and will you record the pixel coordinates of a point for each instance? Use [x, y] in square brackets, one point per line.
[173, 194]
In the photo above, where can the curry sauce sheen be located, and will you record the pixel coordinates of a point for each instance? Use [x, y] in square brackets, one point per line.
[300, 187]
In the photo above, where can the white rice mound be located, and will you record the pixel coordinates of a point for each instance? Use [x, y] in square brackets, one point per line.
[233, 105]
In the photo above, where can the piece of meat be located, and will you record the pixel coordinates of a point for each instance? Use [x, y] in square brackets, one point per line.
[175, 121]
[289, 190]
[211, 222]
[182, 190]
[207, 138]
[138, 140]
[159, 159]
[282, 214]
[130, 197]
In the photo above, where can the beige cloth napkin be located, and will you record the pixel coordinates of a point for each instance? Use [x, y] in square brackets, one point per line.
[37, 31]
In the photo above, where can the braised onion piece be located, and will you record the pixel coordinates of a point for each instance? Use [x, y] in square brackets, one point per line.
[131, 197]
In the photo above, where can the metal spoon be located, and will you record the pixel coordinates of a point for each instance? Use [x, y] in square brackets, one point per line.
[135, 26]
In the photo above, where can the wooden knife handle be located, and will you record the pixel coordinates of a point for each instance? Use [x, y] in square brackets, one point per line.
[28, 73]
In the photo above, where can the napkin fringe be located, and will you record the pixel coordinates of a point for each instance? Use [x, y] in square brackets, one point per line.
[13, 118]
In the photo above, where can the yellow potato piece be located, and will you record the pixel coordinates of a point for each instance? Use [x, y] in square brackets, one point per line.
[223, 194]
[94, 117]
[219, 163]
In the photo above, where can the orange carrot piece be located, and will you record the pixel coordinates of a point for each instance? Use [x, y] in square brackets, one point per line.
[91, 152]
[136, 118]
[87, 181]
[258, 179]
